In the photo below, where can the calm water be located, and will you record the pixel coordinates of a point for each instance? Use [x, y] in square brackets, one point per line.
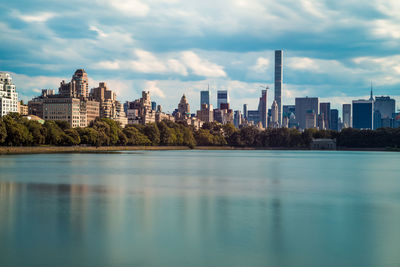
[201, 208]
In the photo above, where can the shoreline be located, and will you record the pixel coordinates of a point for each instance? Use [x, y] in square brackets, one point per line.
[111, 149]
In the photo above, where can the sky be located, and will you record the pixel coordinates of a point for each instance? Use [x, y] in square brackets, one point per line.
[332, 49]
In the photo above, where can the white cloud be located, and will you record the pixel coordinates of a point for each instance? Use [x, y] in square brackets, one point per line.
[262, 65]
[201, 66]
[38, 17]
[133, 8]
[154, 90]
[108, 65]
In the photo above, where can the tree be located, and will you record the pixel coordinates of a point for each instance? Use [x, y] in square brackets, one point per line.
[37, 131]
[3, 132]
[53, 134]
[87, 136]
[152, 132]
[17, 133]
[71, 137]
[135, 137]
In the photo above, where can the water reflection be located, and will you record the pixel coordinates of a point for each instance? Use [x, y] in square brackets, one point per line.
[167, 209]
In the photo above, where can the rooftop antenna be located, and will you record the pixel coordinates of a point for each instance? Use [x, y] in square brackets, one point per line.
[371, 96]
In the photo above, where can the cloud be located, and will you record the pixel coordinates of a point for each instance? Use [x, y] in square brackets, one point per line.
[152, 87]
[130, 7]
[35, 18]
[201, 66]
[262, 65]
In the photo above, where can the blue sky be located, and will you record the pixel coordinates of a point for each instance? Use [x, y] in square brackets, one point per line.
[333, 49]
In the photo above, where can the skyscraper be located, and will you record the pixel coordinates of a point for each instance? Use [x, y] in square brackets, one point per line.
[346, 115]
[334, 120]
[278, 82]
[204, 98]
[222, 97]
[325, 109]
[385, 105]
[274, 115]
[363, 111]
[245, 111]
[263, 109]
[304, 106]
[237, 118]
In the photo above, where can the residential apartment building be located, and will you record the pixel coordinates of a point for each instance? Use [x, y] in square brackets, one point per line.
[8, 95]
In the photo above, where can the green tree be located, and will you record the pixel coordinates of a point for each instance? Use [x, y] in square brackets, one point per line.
[54, 134]
[135, 137]
[87, 136]
[152, 132]
[3, 132]
[71, 137]
[37, 131]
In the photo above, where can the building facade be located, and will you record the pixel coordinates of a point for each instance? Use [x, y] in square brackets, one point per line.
[8, 95]
[325, 111]
[222, 98]
[334, 119]
[204, 98]
[363, 114]
[303, 106]
[263, 108]
[346, 115]
[278, 82]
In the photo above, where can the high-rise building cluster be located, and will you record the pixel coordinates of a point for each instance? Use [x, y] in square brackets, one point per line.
[79, 106]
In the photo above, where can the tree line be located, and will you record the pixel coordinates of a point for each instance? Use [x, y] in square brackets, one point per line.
[16, 130]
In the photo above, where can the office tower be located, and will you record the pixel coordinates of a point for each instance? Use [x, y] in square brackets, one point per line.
[334, 119]
[78, 87]
[205, 113]
[321, 122]
[253, 116]
[346, 114]
[363, 111]
[274, 115]
[310, 119]
[205, 98]
[245, 111]
[237, 118]
[263, 109]
[224, 114]
[304, 104]
[385, 105]
[287, 110]
[377, 119]
[222, 97]
[8, 95]
[278, 82]
[325, 109]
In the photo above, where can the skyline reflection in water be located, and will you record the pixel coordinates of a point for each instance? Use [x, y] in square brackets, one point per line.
[200, 208]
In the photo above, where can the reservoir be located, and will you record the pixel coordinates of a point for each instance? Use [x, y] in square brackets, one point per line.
[201, 208]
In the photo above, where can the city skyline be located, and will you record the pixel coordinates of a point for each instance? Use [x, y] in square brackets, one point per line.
[332, 50]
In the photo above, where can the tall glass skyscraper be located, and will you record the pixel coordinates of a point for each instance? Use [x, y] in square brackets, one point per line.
[278, 82]
[363, 114]
[346, 115]
[222, 97]
[204, 98]
[334, 120]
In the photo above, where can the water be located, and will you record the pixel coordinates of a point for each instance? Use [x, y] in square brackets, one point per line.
[200, 208]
